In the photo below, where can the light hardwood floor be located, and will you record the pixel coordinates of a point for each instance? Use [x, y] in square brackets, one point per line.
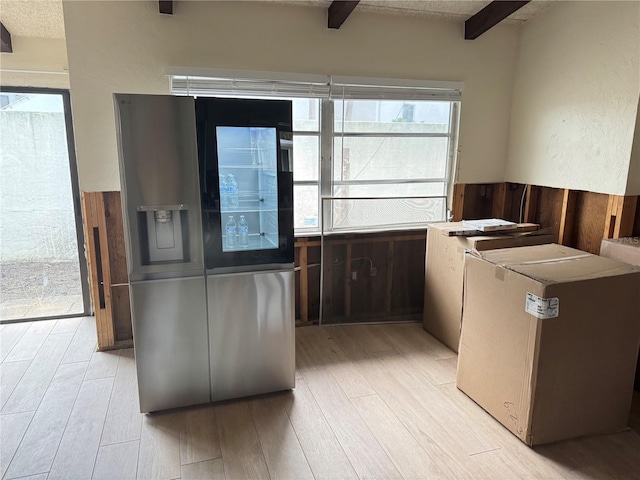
[371, 402]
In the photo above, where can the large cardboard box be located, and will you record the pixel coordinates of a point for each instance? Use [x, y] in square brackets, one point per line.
[549, 340]
[626, 250]
[623, 249]
[444, 274]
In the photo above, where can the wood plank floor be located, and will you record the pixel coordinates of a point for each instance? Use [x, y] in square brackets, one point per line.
[371, 402]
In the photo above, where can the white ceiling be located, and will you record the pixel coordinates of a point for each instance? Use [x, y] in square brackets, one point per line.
[450, 9]
[43, 18]
[33, 18]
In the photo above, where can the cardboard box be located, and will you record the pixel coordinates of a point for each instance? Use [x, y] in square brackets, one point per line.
[625, 250]
[622, 249]
[444, 274]
[549, 340]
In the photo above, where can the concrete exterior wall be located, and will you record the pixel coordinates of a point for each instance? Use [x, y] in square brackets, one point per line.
[36, 210]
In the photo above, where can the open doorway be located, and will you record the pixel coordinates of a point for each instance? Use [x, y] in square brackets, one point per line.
[43, 271]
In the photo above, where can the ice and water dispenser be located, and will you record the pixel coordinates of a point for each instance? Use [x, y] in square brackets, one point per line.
[164, 234]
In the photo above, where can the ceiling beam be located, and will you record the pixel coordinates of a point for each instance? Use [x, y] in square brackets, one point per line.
[339, 11]
[165, 7]
[5, 40]
[489, 17]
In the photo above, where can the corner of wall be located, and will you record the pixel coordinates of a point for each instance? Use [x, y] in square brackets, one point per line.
[633, 180]
[575, 91]
[35, 62]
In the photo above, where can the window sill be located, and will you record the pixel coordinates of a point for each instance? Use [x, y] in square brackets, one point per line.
[408, 229]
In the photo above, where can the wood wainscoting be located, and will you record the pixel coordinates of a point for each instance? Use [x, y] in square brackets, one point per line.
[578, 218]
[108, 279]
[396, 291]
[367, 277]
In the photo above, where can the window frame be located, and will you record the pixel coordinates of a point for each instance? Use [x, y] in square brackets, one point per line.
[331, 183]
[449, 135]
[290, 86]
[301, 231]
[87, 307]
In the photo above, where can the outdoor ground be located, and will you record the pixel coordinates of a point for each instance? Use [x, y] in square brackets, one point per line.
[37, 289]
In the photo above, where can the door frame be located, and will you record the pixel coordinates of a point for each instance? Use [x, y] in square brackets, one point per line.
[75, 193]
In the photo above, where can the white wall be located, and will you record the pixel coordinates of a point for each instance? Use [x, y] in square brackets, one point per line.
[35, 62]
[126, 46]
[633, 182]
[575, 97]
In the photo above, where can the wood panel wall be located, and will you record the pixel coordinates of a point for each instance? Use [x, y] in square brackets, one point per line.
[108, 279]
[577, 218]
[589, 220]
[351, 293]
[395, 290]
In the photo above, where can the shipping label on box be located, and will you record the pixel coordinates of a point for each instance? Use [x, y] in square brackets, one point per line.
[542, 307]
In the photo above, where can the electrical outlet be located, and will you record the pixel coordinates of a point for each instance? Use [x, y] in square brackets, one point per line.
[354, 275]
[373, 271]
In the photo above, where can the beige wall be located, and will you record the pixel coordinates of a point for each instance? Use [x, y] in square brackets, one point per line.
[575, 97]
[126, 46]
[35, 62]
[633, 182]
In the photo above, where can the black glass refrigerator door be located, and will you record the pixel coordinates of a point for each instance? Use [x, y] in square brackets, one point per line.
[246, 181]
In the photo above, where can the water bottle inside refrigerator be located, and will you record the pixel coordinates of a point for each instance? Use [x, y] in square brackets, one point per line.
[243, 232]
[224, 191]
[230, 233]
[233, 191]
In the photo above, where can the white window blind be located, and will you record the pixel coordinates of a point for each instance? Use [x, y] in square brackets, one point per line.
[247, 87]
[386, 89]
[271, 84]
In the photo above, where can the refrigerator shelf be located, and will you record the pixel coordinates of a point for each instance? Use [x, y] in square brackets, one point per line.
[266, 169]
[230, 211]
[247, 210]
[256, 242]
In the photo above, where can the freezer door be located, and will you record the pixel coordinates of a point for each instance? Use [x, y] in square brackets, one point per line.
[170, 338]
[251, 327]
[159, 177]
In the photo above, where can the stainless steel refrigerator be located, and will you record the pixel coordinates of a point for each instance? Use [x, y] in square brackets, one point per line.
[212, 297]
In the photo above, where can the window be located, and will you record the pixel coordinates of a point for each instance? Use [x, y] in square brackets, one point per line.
[306, 164]
[44, 271]
[407, 112]
[366, 157]
[394, 150]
